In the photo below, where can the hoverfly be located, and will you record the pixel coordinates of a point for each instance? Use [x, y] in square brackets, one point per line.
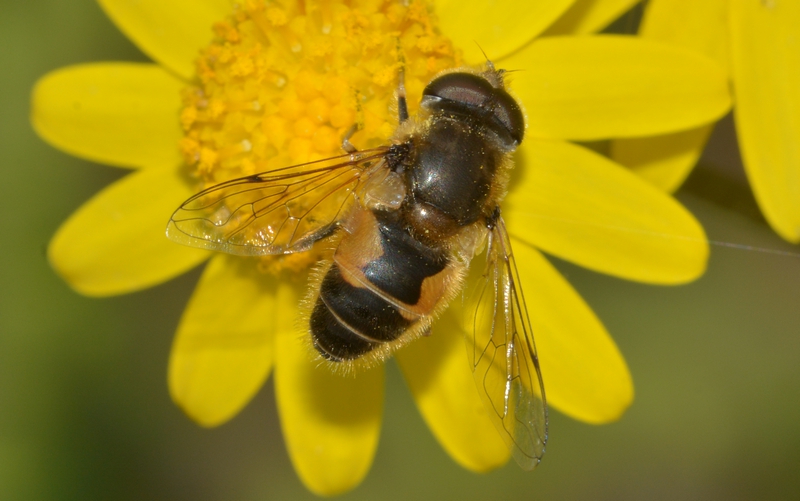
[404, 222]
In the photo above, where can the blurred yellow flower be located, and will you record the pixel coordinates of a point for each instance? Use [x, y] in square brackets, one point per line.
[756, 43]
[278, 83]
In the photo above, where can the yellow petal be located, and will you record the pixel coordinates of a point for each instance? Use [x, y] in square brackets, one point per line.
[578, 205]
[663, 161]
[498, 28]
[223, 350]
[171, 32]
[115, 243]
[598, 87]
[666, 160]
[123, 114]
[700, 26]
[584, 373]
[438, 374]
[330, 421]
[766, 72]
[589, 16]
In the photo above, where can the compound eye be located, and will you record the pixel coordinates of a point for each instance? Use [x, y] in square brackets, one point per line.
[509, 114]
[464, 88]
[474, 95]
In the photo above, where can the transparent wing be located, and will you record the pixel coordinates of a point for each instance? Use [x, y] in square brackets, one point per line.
[503, 355]
[276, 212]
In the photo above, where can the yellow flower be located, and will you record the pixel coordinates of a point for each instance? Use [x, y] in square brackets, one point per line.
[274, 84]
[755, 41]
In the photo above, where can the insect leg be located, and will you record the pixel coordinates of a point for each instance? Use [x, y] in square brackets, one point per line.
[347, 146]
[402, 106]
[308, 241]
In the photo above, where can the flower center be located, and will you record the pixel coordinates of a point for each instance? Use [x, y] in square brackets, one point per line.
[283, 81]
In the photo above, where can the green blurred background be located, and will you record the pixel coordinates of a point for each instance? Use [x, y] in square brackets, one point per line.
[84, 409]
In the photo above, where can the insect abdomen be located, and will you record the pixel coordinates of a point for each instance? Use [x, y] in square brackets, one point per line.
[349, 321]
[381, 284]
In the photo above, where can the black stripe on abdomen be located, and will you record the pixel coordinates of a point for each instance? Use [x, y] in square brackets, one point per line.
[348, 322]
[405, 262]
